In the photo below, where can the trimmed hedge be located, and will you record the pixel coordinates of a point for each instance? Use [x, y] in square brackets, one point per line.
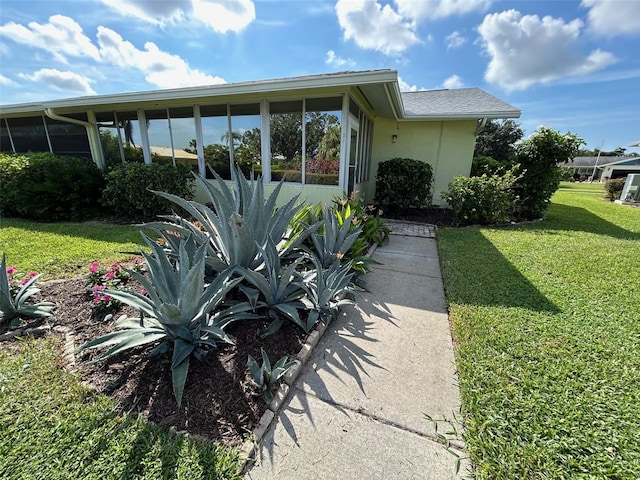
[44, 186]
[127, 194]
[614, 188]
[403, 184]
[311, 178]
[487, 199]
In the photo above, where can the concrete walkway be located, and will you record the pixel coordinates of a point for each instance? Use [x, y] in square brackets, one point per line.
[357, 411]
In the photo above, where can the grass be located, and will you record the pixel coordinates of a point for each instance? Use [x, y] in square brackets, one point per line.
[583, 187]
[62, 250]
[547, 336]
[52, 427]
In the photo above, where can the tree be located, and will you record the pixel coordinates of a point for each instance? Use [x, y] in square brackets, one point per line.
[497, 140]
[329, 148]
[540, 175]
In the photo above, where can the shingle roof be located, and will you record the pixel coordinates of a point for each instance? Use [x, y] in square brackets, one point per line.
[589, 161]
[456, 103]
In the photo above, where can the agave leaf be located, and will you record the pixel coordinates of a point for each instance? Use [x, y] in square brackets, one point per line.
[255, 371]
[42, 309]
[133, 299]
[179, 372]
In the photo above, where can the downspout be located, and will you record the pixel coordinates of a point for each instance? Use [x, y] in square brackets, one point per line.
[92, 133]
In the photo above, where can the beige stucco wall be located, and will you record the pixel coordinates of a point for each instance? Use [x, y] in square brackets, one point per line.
[446, 145]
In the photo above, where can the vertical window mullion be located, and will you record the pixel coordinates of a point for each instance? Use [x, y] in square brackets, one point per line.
[13, 147]
[46, 132]
[120, 144]
[265, 139]
[173, 154]
[230, 140]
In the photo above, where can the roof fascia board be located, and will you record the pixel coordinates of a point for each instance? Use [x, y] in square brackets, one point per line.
[455, 116]
[225, 90]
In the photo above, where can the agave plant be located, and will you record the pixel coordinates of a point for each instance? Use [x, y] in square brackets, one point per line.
[239, 223]
[15, 306]
[326, 290]
[264, 377]
[335, 236]
[278, 288]
[178, 310]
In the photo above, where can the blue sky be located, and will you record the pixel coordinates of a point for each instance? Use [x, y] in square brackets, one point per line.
[570, 65]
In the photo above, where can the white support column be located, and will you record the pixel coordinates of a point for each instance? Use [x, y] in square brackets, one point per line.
[344, 144]
[95, 144]
[199, 141]
[303, 167]
[265, 140]
[232, 163]
[144, 136]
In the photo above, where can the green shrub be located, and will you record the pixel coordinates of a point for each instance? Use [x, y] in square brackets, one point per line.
[487, 199]
[127, 194]
[402, 184]
[44, 186]
[482, 165]
[614, 188]
[539, 157]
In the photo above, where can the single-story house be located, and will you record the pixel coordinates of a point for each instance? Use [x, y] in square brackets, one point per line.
[583, 166]
[325, 133]
[619, 168]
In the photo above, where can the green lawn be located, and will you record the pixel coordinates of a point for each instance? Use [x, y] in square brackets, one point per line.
[546, 324]
[583, 187]
[52, 427]
[60, 250]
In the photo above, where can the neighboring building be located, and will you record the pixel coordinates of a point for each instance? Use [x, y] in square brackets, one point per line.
[583, 166]
[337, 128]
[619, 168]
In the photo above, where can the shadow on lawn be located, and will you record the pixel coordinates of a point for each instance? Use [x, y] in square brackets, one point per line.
[577, 219]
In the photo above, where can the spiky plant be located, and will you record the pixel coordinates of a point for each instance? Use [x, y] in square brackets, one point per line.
[180, 312]
[14, 306]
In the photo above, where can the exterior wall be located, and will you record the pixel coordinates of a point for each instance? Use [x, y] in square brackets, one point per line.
[308, 193]
[446, 145]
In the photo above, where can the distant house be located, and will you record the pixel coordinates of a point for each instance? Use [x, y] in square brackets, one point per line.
[326, 134]
[619, 168]
[583, 166]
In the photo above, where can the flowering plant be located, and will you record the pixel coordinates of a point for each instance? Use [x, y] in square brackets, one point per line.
[102, 277]
[15, 292]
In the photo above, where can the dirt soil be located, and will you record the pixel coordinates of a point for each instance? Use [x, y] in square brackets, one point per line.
[218, 402]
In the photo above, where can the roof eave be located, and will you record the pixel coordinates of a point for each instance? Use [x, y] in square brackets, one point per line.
[346, 79]
[468, 116]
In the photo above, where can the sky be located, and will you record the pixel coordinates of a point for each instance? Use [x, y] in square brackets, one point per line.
[569, 65]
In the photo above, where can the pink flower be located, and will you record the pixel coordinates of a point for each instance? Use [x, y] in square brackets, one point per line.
[109, 275]
[143, 291]
[97, 288]
[95, 266]
[24, 282]
[12, 270]
[96, 299]
[32, 274]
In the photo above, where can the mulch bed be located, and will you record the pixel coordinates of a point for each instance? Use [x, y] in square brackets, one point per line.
[441, 217]
[217, 404]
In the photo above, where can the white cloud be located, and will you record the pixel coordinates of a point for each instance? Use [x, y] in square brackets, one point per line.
[225, 15]
[336, 61]
[61, 36]
[220, 15]
[455, 40]
[375, 27]
[66, 81]
[159, 67]
[454, 81]
[438, 8]
[6, 81]
[158, 13]
[405, 87]
[526, 50]
[609, 18]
